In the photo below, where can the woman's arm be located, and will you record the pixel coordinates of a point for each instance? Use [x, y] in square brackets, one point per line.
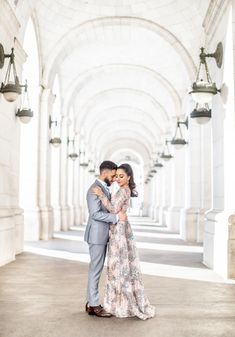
[115, 205]
[94, 207]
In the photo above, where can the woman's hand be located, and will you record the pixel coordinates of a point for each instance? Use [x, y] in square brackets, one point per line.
[122, 216]
[97, 191]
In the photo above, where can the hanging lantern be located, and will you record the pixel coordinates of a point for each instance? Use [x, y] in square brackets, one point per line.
[158, 164]
[73, 155]
[55, 141]
[201, 114]
[178, 140]
[204, 89]
[91, 166]
[25, 113]
[166, 155]
[10, 87]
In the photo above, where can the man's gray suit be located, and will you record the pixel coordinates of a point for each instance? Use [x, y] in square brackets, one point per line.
[97, 235]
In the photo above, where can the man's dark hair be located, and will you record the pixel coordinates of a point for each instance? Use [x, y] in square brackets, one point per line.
[107, 165]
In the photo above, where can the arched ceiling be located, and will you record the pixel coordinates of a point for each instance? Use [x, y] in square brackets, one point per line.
[126, 155]
[124, 66]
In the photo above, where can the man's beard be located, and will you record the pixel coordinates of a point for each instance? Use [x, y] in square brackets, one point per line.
[107, 182]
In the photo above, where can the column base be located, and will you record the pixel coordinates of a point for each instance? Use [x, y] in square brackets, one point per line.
[163, 215]
[84, 215]
[46, 223]
[19, 230]
[155, 214]
[56, 215]
[219, 243]
[189, 224]
[65, 221]
[71, 221]
[173, 219]
[201, 225]
[31, 224]
[77, 215]
[7, 236]
[231, 247]
[153, 211]
[145, 210]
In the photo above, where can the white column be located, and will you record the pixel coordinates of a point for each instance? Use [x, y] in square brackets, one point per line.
[71, 172]
[83, 191]
[45, 210]
[205, 186]
[147, 194]
[177, 189]
[219, 245]
[166, 192]
[76, 193]
[64, 175]
[190, 212]
[154, 209]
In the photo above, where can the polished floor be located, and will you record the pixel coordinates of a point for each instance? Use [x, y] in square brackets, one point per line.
[42, 293]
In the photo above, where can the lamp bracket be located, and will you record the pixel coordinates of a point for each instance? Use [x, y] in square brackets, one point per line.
[185, 122]
[217, 55]
[2, 56]
[70, 141]
[50, 120]
[25, 86]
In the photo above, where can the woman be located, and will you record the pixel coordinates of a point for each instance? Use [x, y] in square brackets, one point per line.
[124, 289]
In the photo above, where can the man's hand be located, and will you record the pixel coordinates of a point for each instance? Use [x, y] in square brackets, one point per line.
[122, 216]
[97, 191]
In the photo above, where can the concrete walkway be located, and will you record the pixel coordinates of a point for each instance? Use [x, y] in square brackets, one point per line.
[43, 296]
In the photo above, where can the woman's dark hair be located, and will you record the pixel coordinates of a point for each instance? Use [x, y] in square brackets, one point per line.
[107, 165]
[128, 170]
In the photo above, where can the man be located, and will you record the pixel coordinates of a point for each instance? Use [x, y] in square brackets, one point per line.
[97, 235]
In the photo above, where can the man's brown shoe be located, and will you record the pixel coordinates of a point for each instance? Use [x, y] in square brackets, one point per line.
[98, 311]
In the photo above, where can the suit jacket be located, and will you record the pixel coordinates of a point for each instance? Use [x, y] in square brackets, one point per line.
[97, 229]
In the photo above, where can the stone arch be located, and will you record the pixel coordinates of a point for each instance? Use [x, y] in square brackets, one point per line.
[70, 41]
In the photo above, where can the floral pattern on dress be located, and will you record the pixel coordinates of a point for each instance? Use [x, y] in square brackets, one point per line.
[124, 288]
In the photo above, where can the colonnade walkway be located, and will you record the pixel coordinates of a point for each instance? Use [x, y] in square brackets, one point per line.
[42, 293]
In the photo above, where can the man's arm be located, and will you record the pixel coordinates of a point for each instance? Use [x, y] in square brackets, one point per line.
[94, 207]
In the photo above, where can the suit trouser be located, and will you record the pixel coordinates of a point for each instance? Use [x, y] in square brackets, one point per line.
[97, 256]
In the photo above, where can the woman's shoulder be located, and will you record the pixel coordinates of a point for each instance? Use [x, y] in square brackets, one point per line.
[125, 191]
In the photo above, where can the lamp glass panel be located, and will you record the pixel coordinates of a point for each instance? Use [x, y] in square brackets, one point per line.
[202, 120]
[10, 96]
[25, 119]
[202, 97]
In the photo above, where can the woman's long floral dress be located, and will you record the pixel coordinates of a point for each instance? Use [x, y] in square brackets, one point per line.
[124, 289]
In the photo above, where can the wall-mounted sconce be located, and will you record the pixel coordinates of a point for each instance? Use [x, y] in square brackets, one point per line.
[11, 87]
[83, 161]
[178, 140]
[55, 141]
[157, 164]
[147, 181]
[25, 113]
[83, 158]
[204, 89]
[73, 155]
[201, 114]
[91, 166]
[166, 155]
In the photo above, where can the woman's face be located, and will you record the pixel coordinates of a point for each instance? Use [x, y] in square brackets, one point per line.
[122, 178]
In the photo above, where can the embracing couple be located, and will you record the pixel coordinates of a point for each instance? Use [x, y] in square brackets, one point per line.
[108, 226]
